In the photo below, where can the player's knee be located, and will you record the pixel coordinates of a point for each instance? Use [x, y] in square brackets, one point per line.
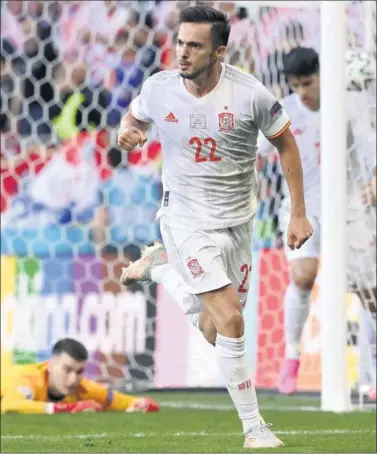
[231, 323]
[304, 282]
[304, 273]
[210, 334]
[224, 310]
[207, 328]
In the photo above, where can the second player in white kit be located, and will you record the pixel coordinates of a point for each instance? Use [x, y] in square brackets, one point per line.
[208, 115]
[303, 108]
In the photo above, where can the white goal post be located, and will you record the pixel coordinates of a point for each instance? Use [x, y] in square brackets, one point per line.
[335, 395]
[335, 389]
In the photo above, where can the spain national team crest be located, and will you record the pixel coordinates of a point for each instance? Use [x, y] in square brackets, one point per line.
[226, 122]
[195, 268]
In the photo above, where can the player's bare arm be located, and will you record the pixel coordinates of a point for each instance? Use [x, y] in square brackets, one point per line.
[20, 399]
[300, 228]
[131, 132]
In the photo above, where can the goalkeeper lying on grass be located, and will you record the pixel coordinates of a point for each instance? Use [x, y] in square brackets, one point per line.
[58, 386]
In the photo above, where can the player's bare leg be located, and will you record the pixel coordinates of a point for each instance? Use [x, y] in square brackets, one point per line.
[296, 311]
[204, 323]
[223, 307]
[153, 266]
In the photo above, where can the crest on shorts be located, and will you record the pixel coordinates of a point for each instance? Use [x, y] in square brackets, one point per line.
[195, 268]
[226, 122]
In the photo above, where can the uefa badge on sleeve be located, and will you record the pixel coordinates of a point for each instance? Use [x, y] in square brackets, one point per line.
[226, 122]
[277, 108]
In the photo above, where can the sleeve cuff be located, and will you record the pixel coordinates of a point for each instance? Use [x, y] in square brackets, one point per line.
[109, 397]
[50, 408]
[280, 131]
[134, 111]
[131, 111]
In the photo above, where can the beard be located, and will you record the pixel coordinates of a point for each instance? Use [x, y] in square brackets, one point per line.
[199, 71]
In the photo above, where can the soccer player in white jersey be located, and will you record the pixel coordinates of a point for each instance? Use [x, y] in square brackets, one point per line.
[301, 67]
[208, 115]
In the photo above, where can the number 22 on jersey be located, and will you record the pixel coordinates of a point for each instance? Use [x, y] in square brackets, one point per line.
[209, 142]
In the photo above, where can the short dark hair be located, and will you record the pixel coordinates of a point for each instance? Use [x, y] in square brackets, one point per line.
[76, 350]
[301, 61]
[206, 15]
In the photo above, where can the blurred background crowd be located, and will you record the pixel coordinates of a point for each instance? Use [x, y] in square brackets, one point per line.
[69, 70]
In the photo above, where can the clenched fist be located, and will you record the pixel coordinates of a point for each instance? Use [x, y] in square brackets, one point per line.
[129, 137]
[299, 231]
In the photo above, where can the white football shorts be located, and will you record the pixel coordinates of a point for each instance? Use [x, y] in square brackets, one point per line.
[207, 260]
[361, 251]
[361, 258]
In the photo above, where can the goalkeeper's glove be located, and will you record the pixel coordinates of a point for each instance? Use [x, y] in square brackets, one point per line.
[143, 405]
[75, 407]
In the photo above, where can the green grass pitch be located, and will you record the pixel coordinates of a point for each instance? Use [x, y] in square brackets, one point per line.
[191, 422]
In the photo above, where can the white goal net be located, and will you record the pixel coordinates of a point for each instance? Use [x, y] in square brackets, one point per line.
[69, 222]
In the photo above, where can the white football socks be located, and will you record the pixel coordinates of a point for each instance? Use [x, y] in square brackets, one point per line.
[233, 360]
[235, 367]
[296, 311]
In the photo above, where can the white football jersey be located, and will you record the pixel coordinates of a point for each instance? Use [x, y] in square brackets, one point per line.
[361, 145]
[209, 144]
[306, 129]
[361, 151]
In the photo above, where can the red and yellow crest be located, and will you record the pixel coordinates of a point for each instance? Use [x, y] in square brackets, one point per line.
[226, 122]
[195, 268]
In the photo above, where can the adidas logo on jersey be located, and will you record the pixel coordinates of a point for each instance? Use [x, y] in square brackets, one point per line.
[171, 118]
